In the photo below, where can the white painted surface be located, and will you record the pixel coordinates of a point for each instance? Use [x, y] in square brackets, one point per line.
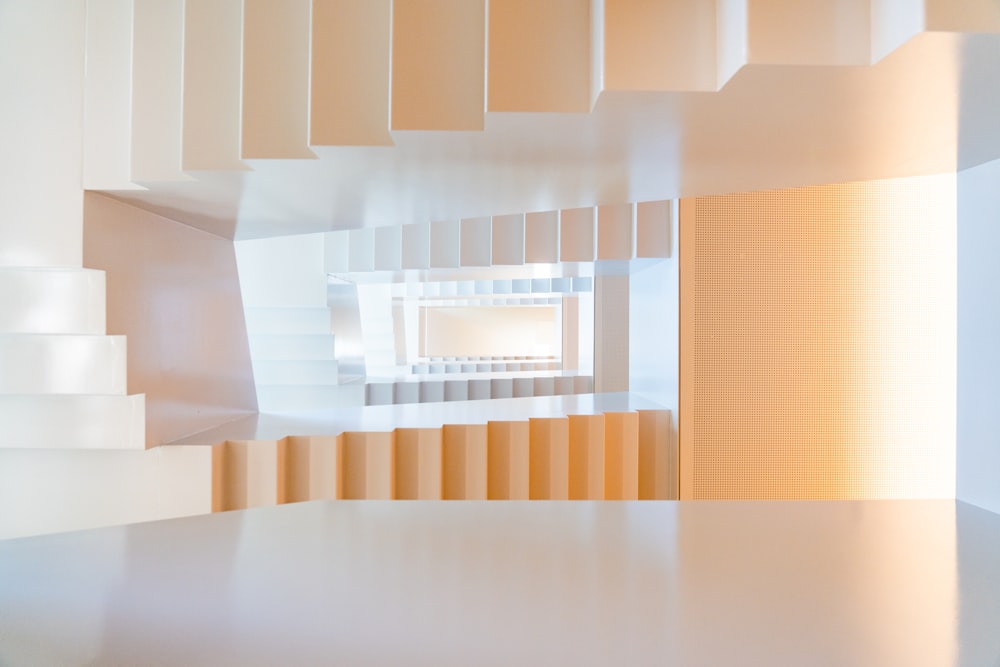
[62, 364]
[577, 234]
[508, 239]
[663, 46]
[438, 64]
[732, 38]
[507, 331]
[213, 56]
[476, 242]
[978, 446]
[539, 56]
[41, 132]
[283, 271]
[52, 301]
[611, 333]
[54, 490]
[590, 583]
[275, 90]
[349, 74]
[157, 107]
[825, 32]
[893, 23]
[46, 421]
[107, 117]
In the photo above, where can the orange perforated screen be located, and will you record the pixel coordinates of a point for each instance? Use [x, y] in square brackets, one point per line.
[818, 342]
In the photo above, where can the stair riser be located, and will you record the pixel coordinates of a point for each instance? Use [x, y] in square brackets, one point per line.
[606, 456]
[52, 301]
[73, 422]
[46, 364]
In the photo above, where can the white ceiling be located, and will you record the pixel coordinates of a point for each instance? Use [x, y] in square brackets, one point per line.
[931, 106]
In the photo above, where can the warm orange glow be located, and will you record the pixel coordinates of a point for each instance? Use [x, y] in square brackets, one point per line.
[819, 342]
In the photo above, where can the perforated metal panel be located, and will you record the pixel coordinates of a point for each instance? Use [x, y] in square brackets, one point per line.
[818, 338]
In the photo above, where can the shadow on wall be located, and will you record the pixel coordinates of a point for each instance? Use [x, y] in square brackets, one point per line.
[174, 291]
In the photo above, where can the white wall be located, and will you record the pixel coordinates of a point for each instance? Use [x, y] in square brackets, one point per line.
[498, 331]
[41, 132]
[174, 291]
[652, 332]
[978, 465]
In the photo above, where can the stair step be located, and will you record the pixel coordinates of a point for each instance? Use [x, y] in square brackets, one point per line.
[356, 32]
[438, 65]
[52, 301]
[54, 490]
[296, 398]
[296, 372]
[47, 421]
[292, 347]
[539, 56]
[288, 320]
[62, 364]
[594, 456]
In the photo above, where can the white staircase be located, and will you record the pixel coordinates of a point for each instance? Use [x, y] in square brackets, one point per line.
[292, 346]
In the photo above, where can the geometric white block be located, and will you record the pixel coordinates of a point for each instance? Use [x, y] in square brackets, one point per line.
[73, 421]
[362, 250]
[62, 364]
[388, 250]
[416, 250]
[476, 242]
[297, 371]
[541, 237]
[523, 387]
[378, 393]
[274, 347]
[576, 235]
[445, 248]
[296, 398]
[55, 490]
[479, 389]
[456, 390]
[52, 301]
[652, 235]
[431, 391]
[287, 320]
[614, 231]
[406, 392]
[508, 239]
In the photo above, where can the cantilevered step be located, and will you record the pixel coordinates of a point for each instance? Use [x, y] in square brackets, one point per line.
[53, 490]
[614, 455]
[46, 421]
[52, 301]
[297, 398]
[608, 232]
[474, 387]
[281, 347]
[287, 320]
[62, 364]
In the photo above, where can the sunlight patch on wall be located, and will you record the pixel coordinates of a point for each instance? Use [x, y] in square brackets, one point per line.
[818, 342]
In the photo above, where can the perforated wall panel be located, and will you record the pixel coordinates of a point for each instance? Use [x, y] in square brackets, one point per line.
[818, 342]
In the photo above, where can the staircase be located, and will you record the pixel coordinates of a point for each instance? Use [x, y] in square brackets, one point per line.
[612, 455]
[189, 94]
[210, 85]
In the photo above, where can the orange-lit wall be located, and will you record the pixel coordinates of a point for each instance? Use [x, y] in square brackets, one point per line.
[818, 342]
[174, 291]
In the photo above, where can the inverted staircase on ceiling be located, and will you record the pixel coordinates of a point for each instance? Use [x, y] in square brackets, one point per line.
[176, 88]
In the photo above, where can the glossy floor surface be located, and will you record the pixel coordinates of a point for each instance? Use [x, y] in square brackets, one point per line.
[536, 583]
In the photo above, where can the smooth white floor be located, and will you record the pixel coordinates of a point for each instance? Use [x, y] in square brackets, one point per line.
[881, 583]
[415, 415]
